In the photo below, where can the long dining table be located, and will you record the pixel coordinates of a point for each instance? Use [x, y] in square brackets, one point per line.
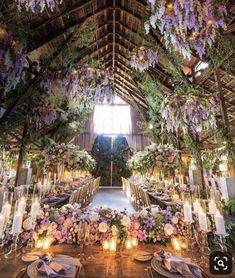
[102, 264]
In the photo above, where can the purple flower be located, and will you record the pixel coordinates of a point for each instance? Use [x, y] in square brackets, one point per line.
[45, 222]
[149, 222]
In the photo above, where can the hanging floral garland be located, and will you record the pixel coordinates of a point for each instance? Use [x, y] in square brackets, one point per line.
[91, 84]
[143, 58]
[31, 5]
[196, 113]
[12, 60]
[187, 24]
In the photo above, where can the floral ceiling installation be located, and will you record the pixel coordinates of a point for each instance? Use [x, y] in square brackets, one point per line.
[196, 113]
[161, 156]
[89, 83]
[187, 24]
[32, 5]
[143, 58]
[12, 60]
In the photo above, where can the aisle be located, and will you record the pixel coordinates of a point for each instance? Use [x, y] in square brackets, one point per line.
[113, 198]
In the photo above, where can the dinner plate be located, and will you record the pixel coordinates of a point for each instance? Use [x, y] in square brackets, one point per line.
[143, 256]
[157, 266]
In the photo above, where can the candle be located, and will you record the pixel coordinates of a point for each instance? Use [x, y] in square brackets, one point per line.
[17, 223]
[202, 221]
[219, 224]
[113, 245]
[2, 223]
[22, 205]
[196, 206]
[46, 244]
[128, 244]
[134, 242]
[35, 208]
[188, 213]
[176, 244]
[39, 244]
[6, 211]
[212, 207]
[106, 245]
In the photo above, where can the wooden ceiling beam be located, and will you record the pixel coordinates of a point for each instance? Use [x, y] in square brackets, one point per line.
[40, 40]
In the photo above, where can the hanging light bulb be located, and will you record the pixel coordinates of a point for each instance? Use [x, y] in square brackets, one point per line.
[150, 126]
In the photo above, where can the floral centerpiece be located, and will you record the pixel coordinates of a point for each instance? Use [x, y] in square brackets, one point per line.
[187, 24]
[62, 225]
[143, 58]
[12, 60]
[194, 113]
[161, 156]
[56, 153]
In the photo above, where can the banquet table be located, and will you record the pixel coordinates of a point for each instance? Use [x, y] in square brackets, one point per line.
[163, 203]
[99, 263]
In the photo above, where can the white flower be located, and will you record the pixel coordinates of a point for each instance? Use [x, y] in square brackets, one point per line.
[168, 229]
[103, 227]
[144, 213]
[94, 217]
[125, 221]
[155, 210]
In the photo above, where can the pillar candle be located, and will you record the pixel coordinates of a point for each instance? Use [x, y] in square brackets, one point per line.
[17, 223]
[35, 208]
[188, 213]
[212, 207]
[6, 211]
[219, 224]
[22, 205]
[196, 206]
[2, 223]
[202, 221]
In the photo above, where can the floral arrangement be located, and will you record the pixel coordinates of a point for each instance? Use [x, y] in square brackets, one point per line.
[12, 60]
[162, 156]
[56, 153]
[79, 160]
[143, 58]
[31, 5]
[194, 113]
[64, 225]
[187, 24]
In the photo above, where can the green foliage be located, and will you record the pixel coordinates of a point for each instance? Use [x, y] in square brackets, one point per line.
[231, 206]
[230, 226]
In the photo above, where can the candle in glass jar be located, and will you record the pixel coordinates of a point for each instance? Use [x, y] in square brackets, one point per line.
[35, 208]
[212, 207]
[176, 244]
[106, 245]
[134, 242]
[17, 223]
[202, 221]
[219, 224]
[113, 245]
[22, 205]
[187, 213]
[196, 206]
[128, 244]
[2, 223]
[6, 211]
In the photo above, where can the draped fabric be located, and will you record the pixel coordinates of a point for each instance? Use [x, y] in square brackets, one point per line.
[136, 139]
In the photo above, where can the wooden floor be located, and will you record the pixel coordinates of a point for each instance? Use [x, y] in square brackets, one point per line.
[113, 198]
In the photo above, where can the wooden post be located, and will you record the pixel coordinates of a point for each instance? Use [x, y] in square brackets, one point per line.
[222, 100]
[21, 153]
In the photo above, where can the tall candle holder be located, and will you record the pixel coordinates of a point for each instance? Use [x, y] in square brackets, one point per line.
[222, 242]
[16, 230]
